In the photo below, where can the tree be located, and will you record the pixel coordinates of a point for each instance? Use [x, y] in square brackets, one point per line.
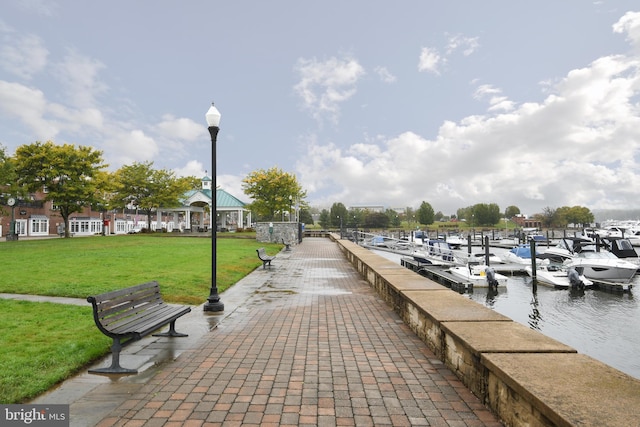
[337, 213]
[68, 175]
[425, 214]
[305, 216]
[324, 220]
[148, 189]
[511, 211]
[7, 176]
[548, 217]
[394, 218]
[272, 192]
[376, 220]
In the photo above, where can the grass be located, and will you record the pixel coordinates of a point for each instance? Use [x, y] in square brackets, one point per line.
[42, 344]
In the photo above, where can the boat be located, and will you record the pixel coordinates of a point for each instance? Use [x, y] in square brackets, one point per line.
[558, 276]
[520, 254]
[479, 275]
[595, 262]
[621, 247]
[436, 252]
[456, 241]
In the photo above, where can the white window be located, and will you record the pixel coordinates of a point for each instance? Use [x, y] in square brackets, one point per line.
[39, 226]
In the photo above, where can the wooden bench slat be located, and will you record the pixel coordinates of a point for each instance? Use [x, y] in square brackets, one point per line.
[126, 315]
[266, 259]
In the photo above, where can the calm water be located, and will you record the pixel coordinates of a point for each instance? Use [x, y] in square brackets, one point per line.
[602, 325]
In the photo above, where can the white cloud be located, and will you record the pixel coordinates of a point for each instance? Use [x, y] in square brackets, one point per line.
[429, 60]
[78, 75]
[468, 45]
[385, 75]
[325, 85]
[629, 24]
[127, 147]
[181, 128]
[577, 147]
[22, 55]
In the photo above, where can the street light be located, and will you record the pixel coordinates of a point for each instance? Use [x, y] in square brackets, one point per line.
[290, 203]
[213, 121]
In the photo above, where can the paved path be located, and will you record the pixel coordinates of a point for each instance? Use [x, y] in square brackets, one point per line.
[305, 343]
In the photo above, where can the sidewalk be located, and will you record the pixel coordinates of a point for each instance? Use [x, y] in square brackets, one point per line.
[305, 343]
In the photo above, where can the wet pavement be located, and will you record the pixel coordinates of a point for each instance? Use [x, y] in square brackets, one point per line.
[307, 342]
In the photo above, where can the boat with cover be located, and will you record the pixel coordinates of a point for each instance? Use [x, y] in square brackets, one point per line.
[520, 254]
[480, 275]
[436, 252]
[595, 262]
[559, 276]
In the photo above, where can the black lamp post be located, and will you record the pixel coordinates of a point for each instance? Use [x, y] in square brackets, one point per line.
[213, 302]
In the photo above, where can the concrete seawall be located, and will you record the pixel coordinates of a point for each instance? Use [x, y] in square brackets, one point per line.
[525, 377]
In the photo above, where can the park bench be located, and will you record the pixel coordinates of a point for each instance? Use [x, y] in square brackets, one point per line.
[266, 259]
[287, 246]
[127, 315]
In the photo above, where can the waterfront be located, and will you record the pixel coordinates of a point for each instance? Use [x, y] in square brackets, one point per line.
[602, 325]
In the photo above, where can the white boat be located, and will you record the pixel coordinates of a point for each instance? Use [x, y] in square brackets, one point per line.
[480, 275]
[520, 254]
[597, 265]
[436, 252]
[558, 276]
[456, 241]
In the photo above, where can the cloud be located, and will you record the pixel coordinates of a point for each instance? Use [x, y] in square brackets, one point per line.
[629, 24]
[385, 75]
[324, 85]
[579, 146]
[181, 128]
[79, 76]
[467, 44]
[126, 147]
[429, 60]
[22, 55]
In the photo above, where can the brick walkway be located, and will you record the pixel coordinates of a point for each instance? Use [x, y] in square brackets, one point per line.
[313, 346]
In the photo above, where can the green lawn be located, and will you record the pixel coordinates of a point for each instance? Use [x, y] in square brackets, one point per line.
[41, 344]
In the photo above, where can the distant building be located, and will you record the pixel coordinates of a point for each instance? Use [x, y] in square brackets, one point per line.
[38, 218]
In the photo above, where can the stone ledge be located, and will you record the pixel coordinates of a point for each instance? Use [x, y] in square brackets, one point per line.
[526, 378]
[565, 389]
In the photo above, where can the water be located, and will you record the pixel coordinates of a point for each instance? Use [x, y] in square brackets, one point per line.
[602, 325]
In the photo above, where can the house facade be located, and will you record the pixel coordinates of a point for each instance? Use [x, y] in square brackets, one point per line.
[39, 218]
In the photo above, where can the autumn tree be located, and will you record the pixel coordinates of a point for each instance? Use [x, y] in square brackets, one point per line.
[68, 176]
[148, 189]
[273, 192]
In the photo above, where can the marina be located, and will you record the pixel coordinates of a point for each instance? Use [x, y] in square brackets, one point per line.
[599, 322]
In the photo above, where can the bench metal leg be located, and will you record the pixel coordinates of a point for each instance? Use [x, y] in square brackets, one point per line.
[115, 367]
[171, 332]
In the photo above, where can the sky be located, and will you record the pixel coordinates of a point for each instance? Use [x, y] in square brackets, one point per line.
[527, 104]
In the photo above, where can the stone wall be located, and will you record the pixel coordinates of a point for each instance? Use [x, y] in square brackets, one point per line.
[525, 377]
[276, 232]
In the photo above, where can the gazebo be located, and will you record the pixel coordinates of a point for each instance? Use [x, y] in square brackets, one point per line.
[231, 213]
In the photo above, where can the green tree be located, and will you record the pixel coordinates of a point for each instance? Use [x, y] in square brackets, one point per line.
[337, 213]
[305, 216]
[7, 176]
[577, 215]
[425, 214]
[69, 176]
[512, 211]
[325, 219]
[147, 189]
[376, 220]
[548, 217]
[272, 192]
[394, 218]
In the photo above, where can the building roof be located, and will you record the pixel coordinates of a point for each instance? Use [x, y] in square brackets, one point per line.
[223, 199]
